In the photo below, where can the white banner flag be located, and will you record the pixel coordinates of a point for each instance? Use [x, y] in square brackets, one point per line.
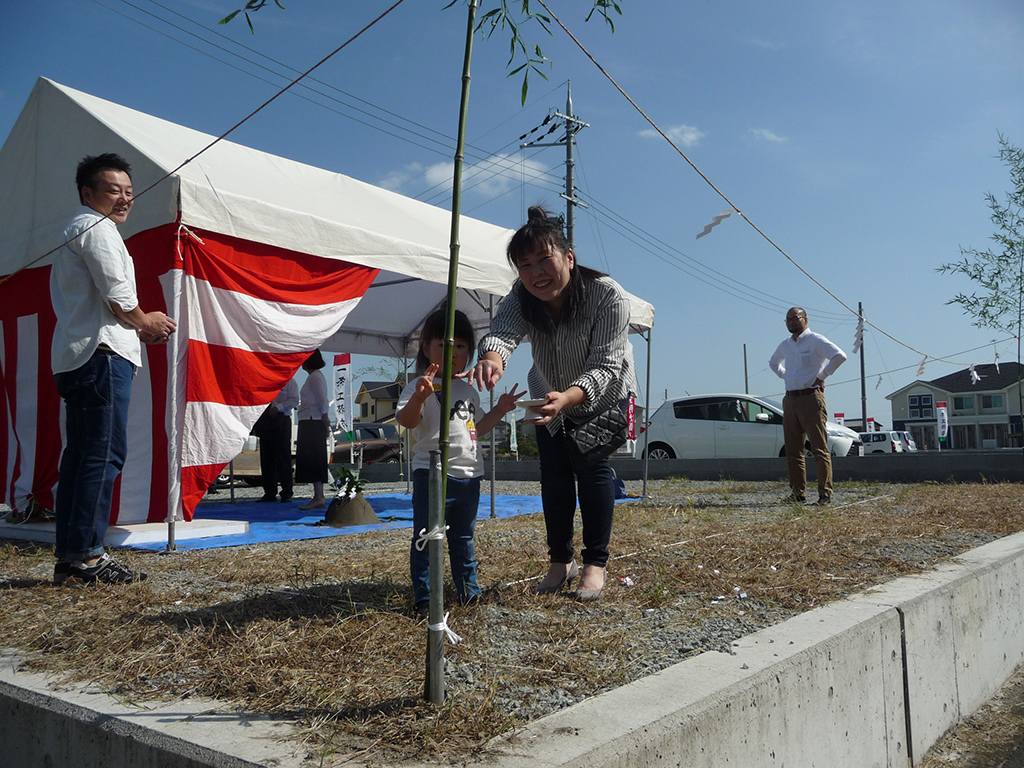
[342, 390]
[940, 407]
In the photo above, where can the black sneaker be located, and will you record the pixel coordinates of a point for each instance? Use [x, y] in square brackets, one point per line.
[824, 501]
[105, 570]
[794, 499]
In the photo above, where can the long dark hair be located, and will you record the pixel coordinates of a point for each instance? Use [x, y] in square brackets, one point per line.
[314, 362]
[434, 328]
[543, 230]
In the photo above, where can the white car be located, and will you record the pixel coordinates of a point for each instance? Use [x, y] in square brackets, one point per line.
[883, 442]
[729, 426]
[908, 441]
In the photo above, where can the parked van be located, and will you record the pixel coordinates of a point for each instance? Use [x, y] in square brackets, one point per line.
[908, 441]
[882, 442]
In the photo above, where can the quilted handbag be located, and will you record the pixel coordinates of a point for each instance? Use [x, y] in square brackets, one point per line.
[598, 437]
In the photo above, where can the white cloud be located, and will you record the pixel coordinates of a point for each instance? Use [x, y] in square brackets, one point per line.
[687, 135]
[396, 179]
[488, 178]
[763, 134]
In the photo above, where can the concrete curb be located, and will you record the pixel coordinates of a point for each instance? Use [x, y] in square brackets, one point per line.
[870, 681]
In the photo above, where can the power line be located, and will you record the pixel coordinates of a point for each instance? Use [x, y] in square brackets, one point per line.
[732, 205]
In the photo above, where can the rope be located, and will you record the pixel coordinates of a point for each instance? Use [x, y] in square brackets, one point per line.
[453, 638]
[435, 534]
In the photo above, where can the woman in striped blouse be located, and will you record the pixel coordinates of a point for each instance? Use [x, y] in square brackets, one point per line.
[576, 320]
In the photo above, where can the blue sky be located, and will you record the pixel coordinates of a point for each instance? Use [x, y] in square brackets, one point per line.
[860, 137]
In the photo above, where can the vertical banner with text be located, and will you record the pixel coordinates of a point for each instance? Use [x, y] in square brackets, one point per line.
[943, 418]
[342, 390]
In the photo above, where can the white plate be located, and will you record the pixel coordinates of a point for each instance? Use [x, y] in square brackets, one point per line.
[530, 403]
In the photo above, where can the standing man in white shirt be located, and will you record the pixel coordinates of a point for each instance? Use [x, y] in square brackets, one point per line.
[804, 361]
[95, 354]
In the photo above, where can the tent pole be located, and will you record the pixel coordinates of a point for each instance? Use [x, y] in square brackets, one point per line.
[494, 453]
[647, 406]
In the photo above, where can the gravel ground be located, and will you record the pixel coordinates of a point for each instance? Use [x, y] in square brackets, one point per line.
[658, 636]
[663, 642]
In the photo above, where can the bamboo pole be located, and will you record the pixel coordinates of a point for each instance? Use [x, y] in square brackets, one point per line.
[435, 635]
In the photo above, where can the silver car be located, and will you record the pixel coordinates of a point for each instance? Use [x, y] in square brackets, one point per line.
[729, 426]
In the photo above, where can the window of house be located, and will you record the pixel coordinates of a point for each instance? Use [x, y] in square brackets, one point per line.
[964, 403]
[920, 406]
[364, 410]
[991, 402]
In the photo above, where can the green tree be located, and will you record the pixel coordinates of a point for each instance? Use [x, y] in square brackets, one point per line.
[999, 272]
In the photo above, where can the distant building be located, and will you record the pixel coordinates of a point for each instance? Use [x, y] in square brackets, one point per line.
[982, 414]
[377, 401]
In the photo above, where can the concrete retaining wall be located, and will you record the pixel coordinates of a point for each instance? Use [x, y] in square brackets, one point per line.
[834, 686]
[870, 681]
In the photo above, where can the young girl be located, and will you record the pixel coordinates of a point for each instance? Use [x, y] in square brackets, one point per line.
[419, 410]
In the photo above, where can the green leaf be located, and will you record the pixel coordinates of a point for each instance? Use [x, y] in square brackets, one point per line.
[230, 16]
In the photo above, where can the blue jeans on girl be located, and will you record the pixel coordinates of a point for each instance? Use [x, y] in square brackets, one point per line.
[461, 505]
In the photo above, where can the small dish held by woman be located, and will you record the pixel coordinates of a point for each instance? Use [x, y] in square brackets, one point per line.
[577, 320]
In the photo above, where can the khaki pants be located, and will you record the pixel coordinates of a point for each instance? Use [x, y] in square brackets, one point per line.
[806, 415]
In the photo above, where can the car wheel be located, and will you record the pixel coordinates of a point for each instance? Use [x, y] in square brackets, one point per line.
[660, 452]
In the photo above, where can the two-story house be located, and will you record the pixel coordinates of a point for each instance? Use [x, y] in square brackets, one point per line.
[982, 414]
[377, 401]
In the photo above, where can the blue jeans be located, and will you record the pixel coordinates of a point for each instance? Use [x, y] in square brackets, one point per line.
[558, 483]
[461, 506]
[96, 398]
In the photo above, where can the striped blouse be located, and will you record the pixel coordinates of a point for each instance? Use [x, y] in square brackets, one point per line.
[590, 350]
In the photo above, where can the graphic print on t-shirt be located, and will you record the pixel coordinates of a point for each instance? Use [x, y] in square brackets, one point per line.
[465, 411]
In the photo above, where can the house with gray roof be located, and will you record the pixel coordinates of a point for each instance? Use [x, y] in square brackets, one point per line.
[984, 410]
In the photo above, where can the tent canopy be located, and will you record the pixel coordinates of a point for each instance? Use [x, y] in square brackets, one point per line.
[255, 196]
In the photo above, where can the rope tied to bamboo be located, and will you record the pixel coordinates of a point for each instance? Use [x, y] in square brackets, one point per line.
[434, 534]
[453, 638]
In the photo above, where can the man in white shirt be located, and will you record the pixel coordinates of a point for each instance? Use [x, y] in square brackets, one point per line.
[804, 360]
[94, 356]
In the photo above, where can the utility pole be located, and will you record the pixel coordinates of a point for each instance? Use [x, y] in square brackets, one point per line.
[863, 386]
[746, 381]
[573, 125]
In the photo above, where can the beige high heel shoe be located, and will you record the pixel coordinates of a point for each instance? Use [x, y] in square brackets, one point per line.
[590, 595]
[570, 574]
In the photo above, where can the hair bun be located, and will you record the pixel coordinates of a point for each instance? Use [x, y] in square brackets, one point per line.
[535, 212]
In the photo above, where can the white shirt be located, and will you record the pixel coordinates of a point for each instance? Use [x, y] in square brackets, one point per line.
[287, 398]
[464, 460]
[805, 359]
[88, 273]
[313, 400]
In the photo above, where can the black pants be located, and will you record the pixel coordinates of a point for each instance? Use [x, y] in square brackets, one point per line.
[558, 490]
[276, 455]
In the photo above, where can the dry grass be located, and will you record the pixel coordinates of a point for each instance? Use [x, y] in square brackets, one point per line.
[320, 631]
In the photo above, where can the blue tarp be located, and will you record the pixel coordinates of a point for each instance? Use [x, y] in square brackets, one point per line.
[286, 522]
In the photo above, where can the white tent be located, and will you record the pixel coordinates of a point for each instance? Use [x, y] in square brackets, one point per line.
[266, 235]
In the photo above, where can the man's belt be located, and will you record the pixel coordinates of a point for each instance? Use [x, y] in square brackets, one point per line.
[799, 392]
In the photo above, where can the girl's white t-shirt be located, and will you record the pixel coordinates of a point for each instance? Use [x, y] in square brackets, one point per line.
[464, 460]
